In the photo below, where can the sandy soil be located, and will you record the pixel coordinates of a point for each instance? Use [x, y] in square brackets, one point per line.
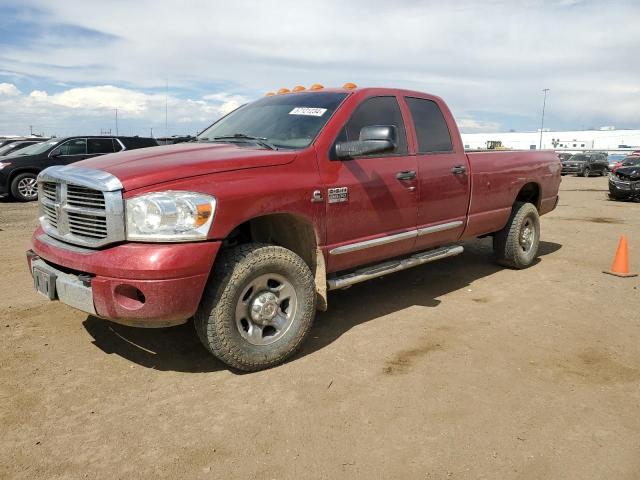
[458, 369]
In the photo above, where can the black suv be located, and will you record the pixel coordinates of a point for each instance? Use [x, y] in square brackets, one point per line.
[18, 172]
[586, 164]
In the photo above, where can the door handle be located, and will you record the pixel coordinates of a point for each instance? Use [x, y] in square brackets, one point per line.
[459, 170]
[406, 175]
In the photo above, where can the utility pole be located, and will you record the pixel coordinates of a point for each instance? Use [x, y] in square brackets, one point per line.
[151, 135]
[31, 130]
[116, 122]
[544, 104]
[166, 110]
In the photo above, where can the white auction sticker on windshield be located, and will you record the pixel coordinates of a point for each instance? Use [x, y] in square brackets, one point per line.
[311, 111]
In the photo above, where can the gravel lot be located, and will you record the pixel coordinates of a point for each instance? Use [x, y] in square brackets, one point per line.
[458, 369]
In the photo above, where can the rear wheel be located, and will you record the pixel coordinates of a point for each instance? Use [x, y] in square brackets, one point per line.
[24, 187]
[258, 308]
[516, 245]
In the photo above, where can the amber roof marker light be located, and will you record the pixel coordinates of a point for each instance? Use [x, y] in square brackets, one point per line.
[316, 86]
[350, 86]
[282, 91]
[269, 94]
[298, 88]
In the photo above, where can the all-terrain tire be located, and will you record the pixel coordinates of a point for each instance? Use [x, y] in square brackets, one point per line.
[507, 243]
[215, 320]
[586, 172]
[24, 187]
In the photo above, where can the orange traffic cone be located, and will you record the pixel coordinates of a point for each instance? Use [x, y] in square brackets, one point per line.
[620, 266]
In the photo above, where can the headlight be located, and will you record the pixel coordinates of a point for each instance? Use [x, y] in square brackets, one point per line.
[4, 164]
[169, 216]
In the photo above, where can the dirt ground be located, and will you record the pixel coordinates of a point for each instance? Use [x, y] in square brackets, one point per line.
[458, 369]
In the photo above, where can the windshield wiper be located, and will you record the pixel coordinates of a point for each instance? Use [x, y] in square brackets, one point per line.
[262, 141]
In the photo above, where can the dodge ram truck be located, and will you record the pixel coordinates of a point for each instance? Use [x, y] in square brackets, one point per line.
[284, 199]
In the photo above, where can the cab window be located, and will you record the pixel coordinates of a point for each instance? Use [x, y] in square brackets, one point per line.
[376, 111]
[431, 127]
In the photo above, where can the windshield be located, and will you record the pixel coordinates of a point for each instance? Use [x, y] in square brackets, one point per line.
[283, 121]
[578, 158]
[37, 148]
[7, 147]
[631, 161]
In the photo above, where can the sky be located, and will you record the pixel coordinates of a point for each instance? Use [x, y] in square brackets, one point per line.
[66, 66]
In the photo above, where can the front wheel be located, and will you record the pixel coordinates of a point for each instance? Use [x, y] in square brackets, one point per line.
[516, 245]
[586, 172]
[258, 307]
[24, 187]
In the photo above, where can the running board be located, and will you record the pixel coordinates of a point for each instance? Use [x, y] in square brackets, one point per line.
[386, 268]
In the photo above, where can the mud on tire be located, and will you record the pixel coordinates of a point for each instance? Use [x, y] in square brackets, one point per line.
[516, 245]
[244, 280]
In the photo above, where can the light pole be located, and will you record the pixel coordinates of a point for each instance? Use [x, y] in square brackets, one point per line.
[544, 104]
[116, 122]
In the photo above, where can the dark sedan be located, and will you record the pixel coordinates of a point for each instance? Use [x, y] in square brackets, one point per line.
[18, 172]
[624, 183]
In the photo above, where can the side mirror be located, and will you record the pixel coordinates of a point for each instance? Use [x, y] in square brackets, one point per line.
[55, 153]
[373, 139]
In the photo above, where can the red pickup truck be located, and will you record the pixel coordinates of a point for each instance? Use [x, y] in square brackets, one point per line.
[278, 202]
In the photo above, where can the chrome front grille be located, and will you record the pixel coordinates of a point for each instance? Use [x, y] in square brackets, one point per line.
[84, 197]
[81, 206]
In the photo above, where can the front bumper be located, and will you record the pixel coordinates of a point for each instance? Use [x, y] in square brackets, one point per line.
[623, 189]
[137, 284]
[571, 169]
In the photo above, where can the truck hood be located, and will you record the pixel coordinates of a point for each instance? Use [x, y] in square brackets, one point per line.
[149, 166]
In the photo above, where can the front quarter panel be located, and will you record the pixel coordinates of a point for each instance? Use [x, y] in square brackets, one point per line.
[245, 194]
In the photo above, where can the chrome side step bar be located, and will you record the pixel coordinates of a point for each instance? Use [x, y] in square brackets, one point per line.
[385, 268]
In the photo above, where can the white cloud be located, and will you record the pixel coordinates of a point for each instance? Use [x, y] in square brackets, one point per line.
[93, 108]
[473, 125]
[9, 89]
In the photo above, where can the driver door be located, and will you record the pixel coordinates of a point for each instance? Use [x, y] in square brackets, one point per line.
[371, 201]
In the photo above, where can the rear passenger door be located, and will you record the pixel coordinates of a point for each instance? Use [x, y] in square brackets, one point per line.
[443, 173]
[371, 203]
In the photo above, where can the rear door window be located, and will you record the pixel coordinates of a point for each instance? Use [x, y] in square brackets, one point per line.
[97, 146]
[431, 127]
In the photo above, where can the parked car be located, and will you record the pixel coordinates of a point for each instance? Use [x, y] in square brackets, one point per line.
[586, 164]
[627, 161]
[624, 182]
[18, 171]
[11, 148]
[614, 158]
[281, 200]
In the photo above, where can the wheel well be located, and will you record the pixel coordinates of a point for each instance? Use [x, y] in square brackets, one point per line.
[15, 173]
[530, 193]
[289, 231]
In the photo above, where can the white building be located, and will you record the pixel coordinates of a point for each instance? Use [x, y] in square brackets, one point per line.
[605, 139]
